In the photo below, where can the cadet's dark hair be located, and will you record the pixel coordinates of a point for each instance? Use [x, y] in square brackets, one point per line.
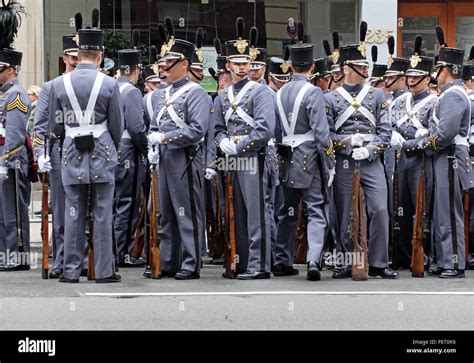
[302, 69]
[89, 54]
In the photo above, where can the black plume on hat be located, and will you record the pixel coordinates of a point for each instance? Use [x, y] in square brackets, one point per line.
[471, 54]
[391, 45]
[161, 33]
[286, 54]
[135, 38]
[239, 25]
[374, 51]
[169, 26]
[363, 31]
[199, 37]
[335, 39]
[218, 46]
[95, 18]
[440, 37]
[78, 21]
[253, 36]
[300, 32]
[418, 42]
[10, 22]
[153, 53]
[327, 47]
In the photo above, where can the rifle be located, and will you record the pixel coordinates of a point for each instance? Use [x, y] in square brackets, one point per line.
[19, 232]
[417, 255]
[466, 222]
[229, 254]
[139, 241]
[155, 227]
[214, 221]
[301, 248]
[90, 237]
[360, 264]
[395, 217]
[45, 221]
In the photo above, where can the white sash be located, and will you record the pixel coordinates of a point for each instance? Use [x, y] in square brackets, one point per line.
[414, 111]
[124, 86]
[86, 117]
[351, 109]
[149, 105]
[235, 107]
[169, 104]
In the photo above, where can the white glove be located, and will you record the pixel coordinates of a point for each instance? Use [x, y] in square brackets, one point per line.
[331, 173]
[357, 140]
[154, 138]
[210, 173]
[228, 147]
[153, 156]
[421, 133]
[44, 164]
[3, 173]
[397, 140]
[360, 153]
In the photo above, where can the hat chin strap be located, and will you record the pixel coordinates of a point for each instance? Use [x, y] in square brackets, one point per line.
[171, 66]
[334, 80]
[393, 82]
[355, 70]
[195, 75]
[417, 83]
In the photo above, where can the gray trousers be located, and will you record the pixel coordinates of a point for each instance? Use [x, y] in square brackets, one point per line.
[448, 228]
[288, 219]
[75, 229]
[409, 168]
[252, 220]
[127, 201]
[58, 206]
[8, 218]
[374, 185]
[182, 218]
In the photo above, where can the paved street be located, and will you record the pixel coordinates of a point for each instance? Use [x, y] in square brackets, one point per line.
[27, 302]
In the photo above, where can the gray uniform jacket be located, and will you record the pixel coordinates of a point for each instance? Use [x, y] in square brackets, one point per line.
[257, 102]
[98, 165]
[298, 172]
[14, 109]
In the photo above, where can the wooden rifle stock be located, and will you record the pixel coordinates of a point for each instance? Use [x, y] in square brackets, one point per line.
[139, 239]
[230, 255]
[418, 255]
[301, 244]
[360, 266]
[155, 227]
[216, 243]
[90, 239]
[45, 226]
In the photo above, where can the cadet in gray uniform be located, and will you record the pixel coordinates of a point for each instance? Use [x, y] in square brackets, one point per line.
[244, 126]
[51, 161]
[133, 148]
[448, 138]
[361, 132]
[468, 79]
[14, 221]
[305, 143]
[178, 127]
[89, 104]
[409, 113]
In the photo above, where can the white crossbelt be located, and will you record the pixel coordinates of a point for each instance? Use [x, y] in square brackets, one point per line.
[292, 139]
[86, 117]
[458, 139]
[122, 88]
[169, 104]
[82, 130]
[355, 105]
[235, 104]
[149, 105]
[413, 111]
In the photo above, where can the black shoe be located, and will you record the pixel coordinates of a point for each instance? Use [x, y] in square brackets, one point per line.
[217, 261]
[113, 278]
[343, 273]
[470, 265]
[84, 272]
[132, 262]
[14, 267]
[55, 274]
[452, 274]
[186, 275]
[385, 273]
[313, 273]
[253, 275]
[282, 270]
[436, 272]
[65, 279]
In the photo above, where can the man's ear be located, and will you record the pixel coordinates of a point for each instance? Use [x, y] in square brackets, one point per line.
[345, 70]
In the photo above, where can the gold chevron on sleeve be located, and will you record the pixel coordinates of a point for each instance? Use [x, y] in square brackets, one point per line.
[37, 140]
[17, 103]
